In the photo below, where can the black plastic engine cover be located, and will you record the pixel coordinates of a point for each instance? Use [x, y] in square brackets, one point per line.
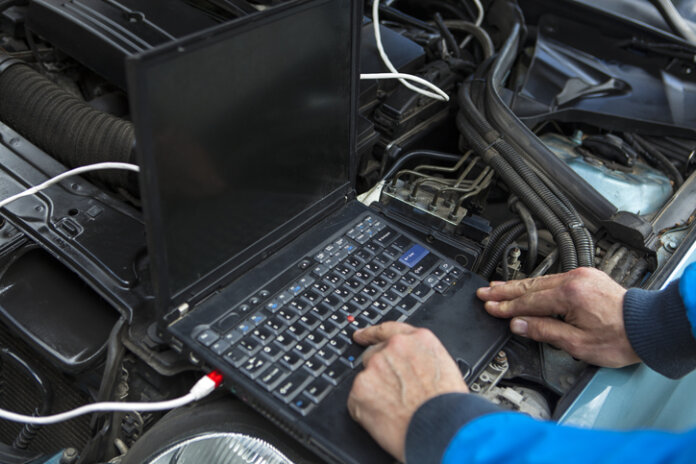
[102, 33]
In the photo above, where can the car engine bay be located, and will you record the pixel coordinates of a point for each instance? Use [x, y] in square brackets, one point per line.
[568, 140]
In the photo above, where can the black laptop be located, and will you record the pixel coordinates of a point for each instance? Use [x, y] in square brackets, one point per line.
[263, 261]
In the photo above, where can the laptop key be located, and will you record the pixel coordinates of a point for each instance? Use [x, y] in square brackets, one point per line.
[354, 284]
[320, 270]
[322, 288]
[328, 329]
[370, 292]
[352, 355]
[302, 404]
[332, 301]
[425, 265]
[318, 389]
[373, 247]
[338, 344]
[364, 255]
[386, 236]
[236, 357]
[399, 268]
[456, 273]
[344, 271]
[373, 267]
[390, 275]
[304, 349]
[311, 296]
[315, 338]
[421, 292]
[402, 243]
[361, 300]
[220, 346]
[439, 273]
[321, 311]
[263, 334]
[234, 336]
[353, 262]
[297, 330]
[250, 345]
[333, 279]
[371, 315]
[380, 306]
[335, 372]
[275, 325]
[431, 281]
[310, 321]
[392, 315]
[272, 377]
[409, 280]
[408, 304]
[291, 359]
[363, 276]
[449, 280]
[343, 292]
[254, 366]
[314, 366]
[285, 342]
[381, 283]
[292, 385]
[207, 337]
[326, 355]
[441, 288]
[391, 297]
[287, 314]
[300, 305]
[272, 351]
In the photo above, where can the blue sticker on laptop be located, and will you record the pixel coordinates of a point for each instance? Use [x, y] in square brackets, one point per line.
[414, 255]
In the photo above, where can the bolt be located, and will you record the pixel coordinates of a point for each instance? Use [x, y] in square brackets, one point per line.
[69, 456]
[501, 357]
[671, 246]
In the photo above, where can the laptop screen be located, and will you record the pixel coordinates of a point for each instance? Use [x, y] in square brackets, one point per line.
[240, 130]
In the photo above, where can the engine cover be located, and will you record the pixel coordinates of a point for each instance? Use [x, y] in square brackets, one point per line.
[102, 33]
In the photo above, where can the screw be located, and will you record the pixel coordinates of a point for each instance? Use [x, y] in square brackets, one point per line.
[671, 246]
[501, 357]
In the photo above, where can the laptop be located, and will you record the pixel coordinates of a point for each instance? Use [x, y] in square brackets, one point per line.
[263, 261]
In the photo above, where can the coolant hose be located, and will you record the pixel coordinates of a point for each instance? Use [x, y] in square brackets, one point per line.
[63, 125]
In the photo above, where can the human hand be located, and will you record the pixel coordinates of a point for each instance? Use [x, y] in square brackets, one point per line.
[404, 367]
[590, 302]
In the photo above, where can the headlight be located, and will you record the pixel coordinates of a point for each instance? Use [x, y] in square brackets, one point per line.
[221, 448]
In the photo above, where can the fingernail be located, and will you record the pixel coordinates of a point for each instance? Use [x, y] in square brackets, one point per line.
[492, 305]
[357, 332]
[519, 327]
[497, 283]
[483, 291]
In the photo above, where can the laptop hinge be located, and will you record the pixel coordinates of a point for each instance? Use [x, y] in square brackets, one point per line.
[177, 313]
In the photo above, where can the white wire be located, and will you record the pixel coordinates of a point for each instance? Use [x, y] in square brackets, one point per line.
[99, 407]
[479, 21]
[437, 94]
[70, 173]
[202, 388]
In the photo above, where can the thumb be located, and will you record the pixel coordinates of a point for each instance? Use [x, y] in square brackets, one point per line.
[547, 330]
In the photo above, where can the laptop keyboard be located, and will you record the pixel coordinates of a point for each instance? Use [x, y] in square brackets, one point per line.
[296, 341]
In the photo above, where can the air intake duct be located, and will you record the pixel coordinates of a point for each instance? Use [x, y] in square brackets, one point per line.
[63, 125]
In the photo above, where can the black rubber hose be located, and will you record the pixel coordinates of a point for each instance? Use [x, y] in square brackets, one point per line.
[581, 236]
[63, 125]
[543, 199]
[494, 236]
[594, 206]
[520, 188]
[447, 35]
[498, 249]
[532, 235]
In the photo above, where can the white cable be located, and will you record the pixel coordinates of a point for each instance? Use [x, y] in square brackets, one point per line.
[66, 174]
[398, 75]
[438, 93]
[201, 389]
[479, 21]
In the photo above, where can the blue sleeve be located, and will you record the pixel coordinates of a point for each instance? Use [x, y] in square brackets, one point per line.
[687, 289]
[660, 328]
[511, 438]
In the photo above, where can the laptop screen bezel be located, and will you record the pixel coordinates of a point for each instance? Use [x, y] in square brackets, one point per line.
[168, 298]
